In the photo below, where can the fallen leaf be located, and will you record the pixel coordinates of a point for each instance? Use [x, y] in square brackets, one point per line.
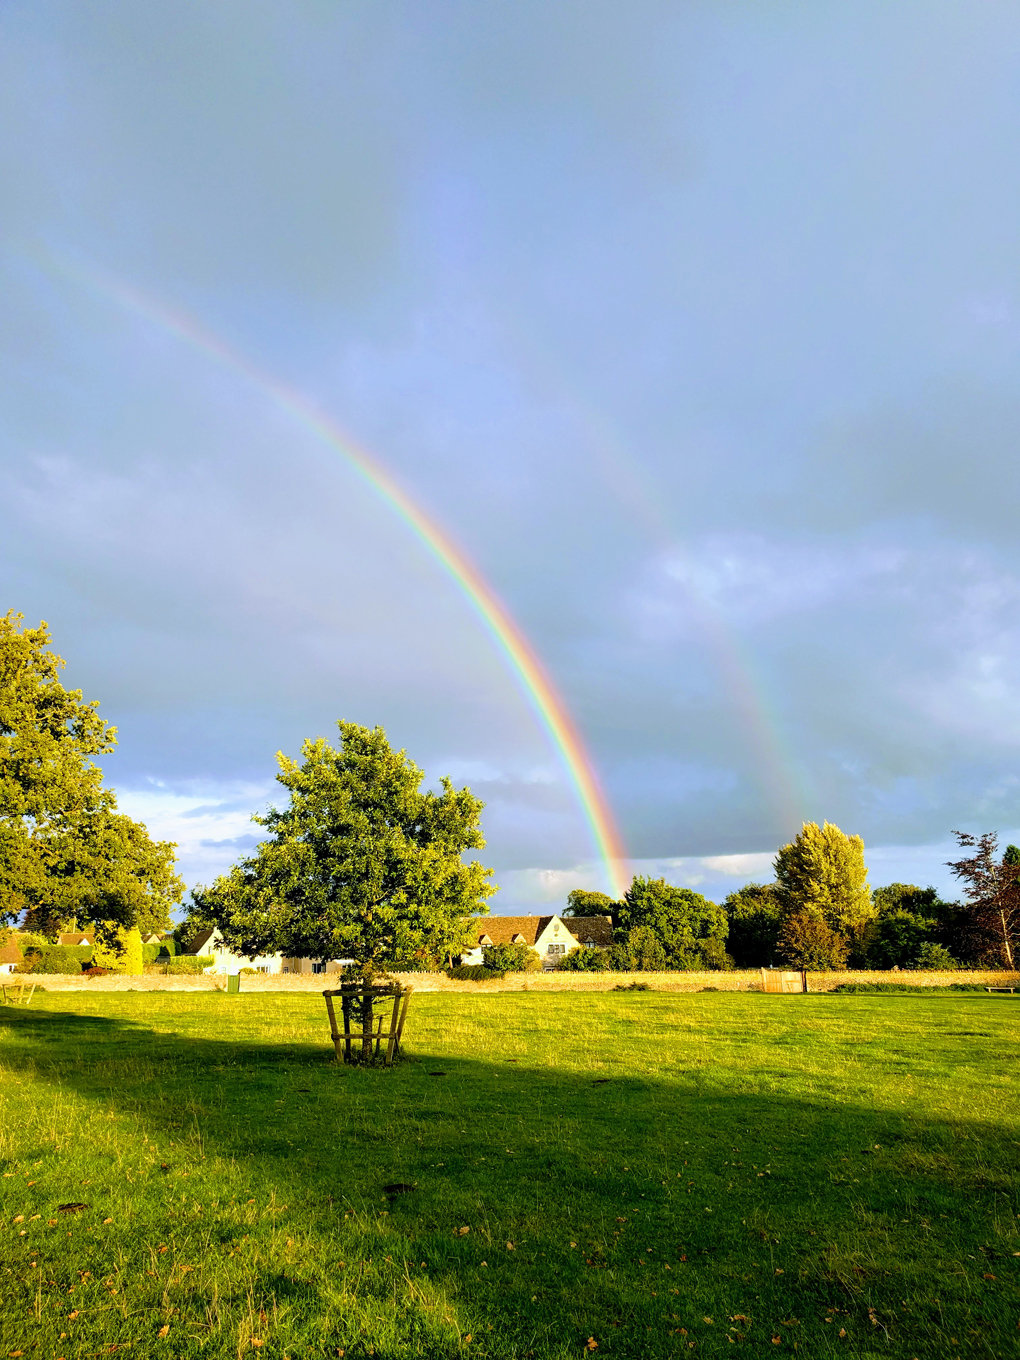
[51, 1223]
[70, 1208]
[591, 1344]
[255, 1341]
[461, 1232]
[842, 1331]
[20, 1218]
[988, 1277]
[510, 1247]
[107, 1220]
[780, 1272]
[164, 1330]
[468, 1337]
[777, 1341]
[71, 1316]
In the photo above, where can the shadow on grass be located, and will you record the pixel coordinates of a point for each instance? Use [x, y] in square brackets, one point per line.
[656, 1216]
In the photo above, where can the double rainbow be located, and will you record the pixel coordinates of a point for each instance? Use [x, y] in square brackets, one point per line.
[520, 657]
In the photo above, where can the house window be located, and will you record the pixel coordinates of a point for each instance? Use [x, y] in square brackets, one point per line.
[557, 949]
[319, 967]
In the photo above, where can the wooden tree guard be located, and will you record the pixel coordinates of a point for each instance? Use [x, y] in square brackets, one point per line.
[371, 1034]
[776, 980]
[21, 997]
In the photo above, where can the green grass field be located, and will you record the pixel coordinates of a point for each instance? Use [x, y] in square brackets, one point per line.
[635, 1175]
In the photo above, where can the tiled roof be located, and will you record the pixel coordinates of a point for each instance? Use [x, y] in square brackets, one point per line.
[527, 929]
[74, 937]
[502, 929]
[590, 929]
[10, 953]
[199, 941]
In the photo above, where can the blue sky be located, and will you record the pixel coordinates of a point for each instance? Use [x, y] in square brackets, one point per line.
[697, 326]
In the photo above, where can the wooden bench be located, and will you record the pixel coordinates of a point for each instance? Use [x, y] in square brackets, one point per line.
[1011, 990]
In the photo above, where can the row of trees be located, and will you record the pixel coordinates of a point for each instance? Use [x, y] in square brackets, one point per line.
[819, 914]
[363, 863]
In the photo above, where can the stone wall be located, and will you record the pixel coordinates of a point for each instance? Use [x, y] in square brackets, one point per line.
[513, 982]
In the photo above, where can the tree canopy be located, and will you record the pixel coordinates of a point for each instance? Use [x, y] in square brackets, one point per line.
[668, 927]
[992, 888]
[755, 914]
[361, 865]
[822, 871]
[66, 853]
[582, 902]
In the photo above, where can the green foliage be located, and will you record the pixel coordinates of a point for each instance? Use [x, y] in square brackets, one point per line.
[633, 987]
[150, 953]
[581, 902]
[29, 939]
[933, 958]
[585, 961]
[361, 865]
[473, 972]
[822, 871]
[65, 850]
[119, 949]
[897, 937]
[808, 941]
[54, 958]
[923, 902]
[664, 928]
[510, 958]
[183, 964]
[755, 915]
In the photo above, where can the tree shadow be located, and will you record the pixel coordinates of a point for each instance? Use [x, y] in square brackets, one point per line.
[535, 1208]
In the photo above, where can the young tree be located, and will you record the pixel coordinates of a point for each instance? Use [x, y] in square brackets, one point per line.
[361, 865]
[581, 902]
[755, 914]
[822, 870]
[65, 851]
[808, 941]
[684, 923]
[992, 888]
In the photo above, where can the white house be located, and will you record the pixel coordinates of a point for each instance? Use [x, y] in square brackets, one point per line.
[209, 944]
[549, 936]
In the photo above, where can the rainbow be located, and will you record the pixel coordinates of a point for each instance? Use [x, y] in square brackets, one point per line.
[521, 658]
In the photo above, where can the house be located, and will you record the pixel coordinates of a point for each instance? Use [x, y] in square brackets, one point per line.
[209, 944]
[75, 938]
[549, 936]
[10, 956]
[314, 965]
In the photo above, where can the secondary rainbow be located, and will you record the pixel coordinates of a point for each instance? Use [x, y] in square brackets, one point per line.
[523, 662]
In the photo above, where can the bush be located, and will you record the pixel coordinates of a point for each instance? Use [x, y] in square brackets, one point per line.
[584, 961]
[632, 987]
[933, 958]
[54, 958]
[510, 958]
[150, 953]
[806, 941]
[473, 972]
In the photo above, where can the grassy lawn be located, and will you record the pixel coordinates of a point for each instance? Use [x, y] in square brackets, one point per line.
[635, 1175]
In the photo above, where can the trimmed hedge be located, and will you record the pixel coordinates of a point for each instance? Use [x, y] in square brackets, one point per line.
[474, 972]
[183, 964]
[56, 958]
